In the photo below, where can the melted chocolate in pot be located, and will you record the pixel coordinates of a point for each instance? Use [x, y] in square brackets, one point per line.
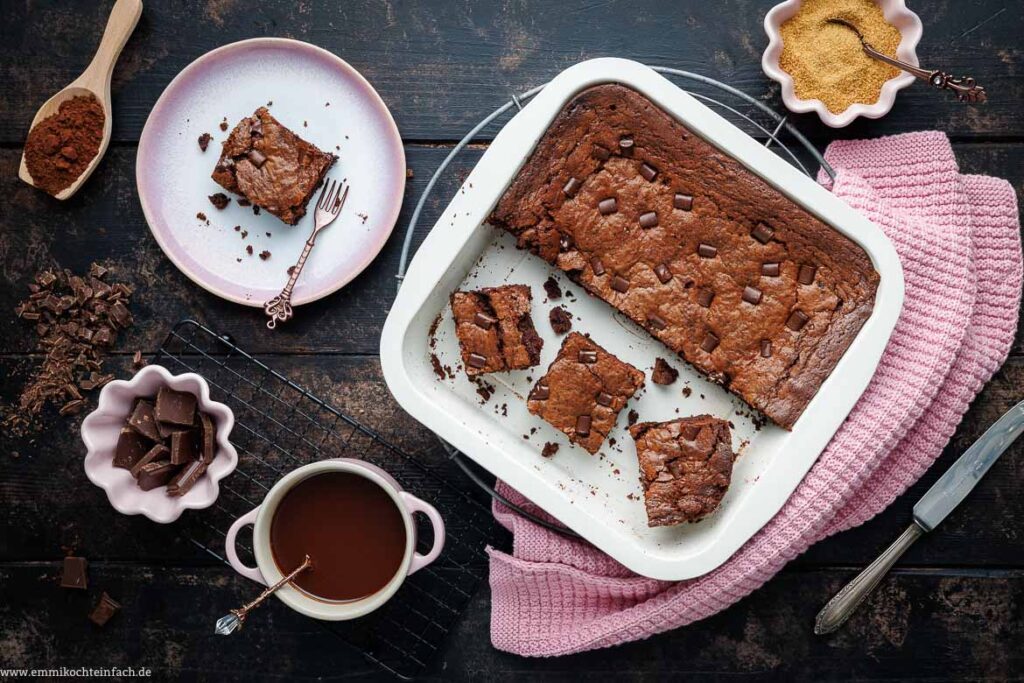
[349, 527]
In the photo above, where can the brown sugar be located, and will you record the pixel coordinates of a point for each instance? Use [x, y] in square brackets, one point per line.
[827, 61]
[60, 147]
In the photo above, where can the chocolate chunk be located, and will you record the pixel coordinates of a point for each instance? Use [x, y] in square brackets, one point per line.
[156, 474]
[607, 206]
[587, 356]
[208, 432]
[257, 158]
[540, 392]
[143, 421]
[184, 447]
[572, 187]
[605, 399]
[158, 453]
[626, 145]
[560, 320]
[704, 297]
[600, 153]
[762, 233]
[766, 348]
[707, 251]
[484, 321]
[649, 220]
[204, 141]
[74, 574]
[131, 446]
[219, 200]
[648, 172]
[663, 373]
[806, 274]
[549, 449]
[684, 202]
[597, 266]
[105, 609]
[710, 342]
[175, 407]
[583, 425]
[656, 321]
[620, 284]
[552, 289]
[663, 273]
[770, 269]
[186, 478]
[797, 319]
[167, 429]
[752, 295]
[476, 360]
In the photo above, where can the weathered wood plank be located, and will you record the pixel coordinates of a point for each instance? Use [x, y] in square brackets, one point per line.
[50, 504]
[441, 66]
[966, 622]
[104, 221]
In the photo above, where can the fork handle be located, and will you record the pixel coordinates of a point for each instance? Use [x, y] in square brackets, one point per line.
[279, 309]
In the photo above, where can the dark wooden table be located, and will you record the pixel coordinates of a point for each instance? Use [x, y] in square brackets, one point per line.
[953, 609]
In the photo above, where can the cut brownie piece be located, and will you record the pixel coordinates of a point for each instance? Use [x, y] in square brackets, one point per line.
[583, 391]
[685, 467]
[495, 330]
[271, 166]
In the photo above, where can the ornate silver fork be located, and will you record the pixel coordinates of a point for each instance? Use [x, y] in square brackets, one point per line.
[328, 207]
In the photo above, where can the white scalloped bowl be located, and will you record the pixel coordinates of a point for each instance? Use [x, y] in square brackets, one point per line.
[100, 430]
[894, 11]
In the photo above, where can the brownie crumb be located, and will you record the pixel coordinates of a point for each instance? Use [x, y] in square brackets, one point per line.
[245, 233]
[204, 141]
[553, 290]
[549, 449]
[435, 362]
[242, 201]
[687, 391]
[224, 124]
[632, 417]
[663, 372]
[248, 249]
[485, 390]
[265, 254]
[409, 174]
[255, 210]
[219, 200]
[202, 216]
[560, 320]
[138, 362]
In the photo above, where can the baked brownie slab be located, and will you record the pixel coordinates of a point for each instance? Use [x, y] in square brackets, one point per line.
[726, 271]
[685, 467]
[495, 330]
[583, 391]
[271, 166]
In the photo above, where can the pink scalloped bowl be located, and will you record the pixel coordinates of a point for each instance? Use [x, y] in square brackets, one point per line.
[894, 11]
[100, 430]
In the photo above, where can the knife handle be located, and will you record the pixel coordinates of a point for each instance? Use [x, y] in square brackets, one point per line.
[845, 603]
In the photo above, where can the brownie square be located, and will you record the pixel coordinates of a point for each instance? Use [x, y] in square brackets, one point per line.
[271, 166]
[495, 330]
[685, 467]
[583, 391]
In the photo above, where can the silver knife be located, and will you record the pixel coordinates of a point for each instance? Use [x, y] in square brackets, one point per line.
[948, 492]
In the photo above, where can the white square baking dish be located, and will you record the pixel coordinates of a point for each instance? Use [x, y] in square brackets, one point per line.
[600, 496]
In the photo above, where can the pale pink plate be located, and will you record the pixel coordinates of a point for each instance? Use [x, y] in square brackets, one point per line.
[323, 100]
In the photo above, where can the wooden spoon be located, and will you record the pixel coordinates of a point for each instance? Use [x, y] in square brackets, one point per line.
[94, 80]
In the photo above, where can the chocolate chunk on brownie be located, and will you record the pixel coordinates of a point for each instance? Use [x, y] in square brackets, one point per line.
[270, 166]
[685, 467]
[751, 289]
[495, 330]
[583, 391]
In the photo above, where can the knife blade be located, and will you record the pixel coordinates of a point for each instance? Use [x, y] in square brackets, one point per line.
[941, 499]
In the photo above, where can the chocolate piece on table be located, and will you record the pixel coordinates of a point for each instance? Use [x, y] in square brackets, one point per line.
[106, 608]
[156, 474]
[185, 447]
[685, 467]
[74, 574]
[549, 449]
[158, 453]
[552, 289]
[186, 478]
[663, 373]
[560, 320]
[131, 447]
[219, 200]
[208, 431]
[175, 407]
[495, 329]
[143, 421]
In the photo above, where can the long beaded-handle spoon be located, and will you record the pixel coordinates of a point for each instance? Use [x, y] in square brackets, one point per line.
[234, 621]
[965, 89]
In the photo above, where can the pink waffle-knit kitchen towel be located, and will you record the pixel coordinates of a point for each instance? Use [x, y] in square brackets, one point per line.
[958, 237]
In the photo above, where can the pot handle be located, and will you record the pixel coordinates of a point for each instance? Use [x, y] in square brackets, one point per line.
[251, 573]
[414, 505]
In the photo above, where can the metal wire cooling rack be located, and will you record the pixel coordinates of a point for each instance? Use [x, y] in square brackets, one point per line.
[279, 426]
[724, 98]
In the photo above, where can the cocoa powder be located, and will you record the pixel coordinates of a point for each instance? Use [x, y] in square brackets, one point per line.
[60, 147]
